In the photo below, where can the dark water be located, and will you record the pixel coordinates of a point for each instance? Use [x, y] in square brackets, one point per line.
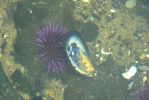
[103, 24]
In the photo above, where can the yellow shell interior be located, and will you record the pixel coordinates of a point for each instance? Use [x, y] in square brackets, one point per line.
[85, 64]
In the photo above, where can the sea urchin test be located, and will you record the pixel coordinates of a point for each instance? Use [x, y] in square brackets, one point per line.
[59, 47]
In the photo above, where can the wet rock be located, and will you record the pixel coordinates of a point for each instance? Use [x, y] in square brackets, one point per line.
[20, 79]
[73, 94]
[90, 31]
[6, 90]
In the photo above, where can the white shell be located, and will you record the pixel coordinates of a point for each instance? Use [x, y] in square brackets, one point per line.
[130, 73]
[130, 3]
[130, 85]
[104, 52]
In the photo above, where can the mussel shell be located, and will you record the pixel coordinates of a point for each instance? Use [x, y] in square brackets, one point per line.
[78, 53]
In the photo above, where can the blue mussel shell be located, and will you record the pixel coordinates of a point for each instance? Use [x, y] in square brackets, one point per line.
[78, 53]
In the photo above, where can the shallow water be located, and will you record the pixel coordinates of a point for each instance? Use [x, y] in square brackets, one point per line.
[108, 24]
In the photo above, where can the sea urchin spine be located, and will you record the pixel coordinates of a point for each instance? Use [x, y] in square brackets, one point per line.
[49, 41]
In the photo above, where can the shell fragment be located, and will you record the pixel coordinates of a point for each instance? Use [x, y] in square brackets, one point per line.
[130, 73]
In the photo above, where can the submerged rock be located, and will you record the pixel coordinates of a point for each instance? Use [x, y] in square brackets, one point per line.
[54, 89]
[130, 3]
[6, 89]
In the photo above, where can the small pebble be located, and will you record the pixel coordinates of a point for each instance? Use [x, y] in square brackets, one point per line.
[30, 11]
[144, 80]
[130, 3]
[85, 1]
[101, 59]
[147, 55]
[97, 55]
[97, 45]
[128, 53]
[112, 11]
[5, 36]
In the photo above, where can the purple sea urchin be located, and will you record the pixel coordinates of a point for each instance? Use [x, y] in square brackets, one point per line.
[49, 41]
[142, 94]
